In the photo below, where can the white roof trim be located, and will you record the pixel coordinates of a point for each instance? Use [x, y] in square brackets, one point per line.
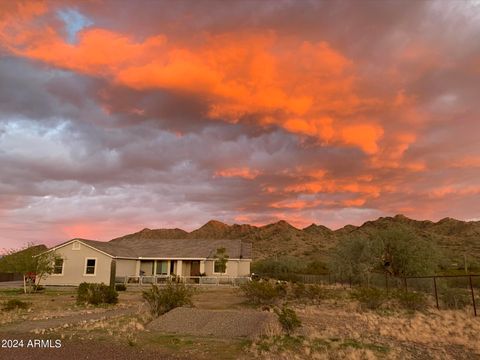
[80, 241]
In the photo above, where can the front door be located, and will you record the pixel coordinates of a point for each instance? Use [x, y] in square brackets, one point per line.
[195, 268]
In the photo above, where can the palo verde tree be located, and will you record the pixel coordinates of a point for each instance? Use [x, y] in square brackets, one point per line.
[396, 251]
[221, 259]
[31, 260]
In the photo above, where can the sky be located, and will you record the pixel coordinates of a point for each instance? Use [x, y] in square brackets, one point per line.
[121, 115]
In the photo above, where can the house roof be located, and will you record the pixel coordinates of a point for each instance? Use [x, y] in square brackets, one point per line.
[172, 248]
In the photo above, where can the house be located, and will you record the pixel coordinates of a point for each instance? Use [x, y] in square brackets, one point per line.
[149, 261]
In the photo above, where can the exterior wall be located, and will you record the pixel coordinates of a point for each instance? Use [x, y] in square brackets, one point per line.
[126, 267]
[234, 268]
[74, 262]
[244, 268]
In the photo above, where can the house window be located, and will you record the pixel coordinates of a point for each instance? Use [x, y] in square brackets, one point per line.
[90, 266]
[76, 246]
[58, 266]
[162, 267]
[218, 268]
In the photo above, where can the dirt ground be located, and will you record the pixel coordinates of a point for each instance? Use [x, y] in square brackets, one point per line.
[331, 329]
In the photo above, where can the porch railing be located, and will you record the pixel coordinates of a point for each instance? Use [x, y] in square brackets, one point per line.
[194, 280]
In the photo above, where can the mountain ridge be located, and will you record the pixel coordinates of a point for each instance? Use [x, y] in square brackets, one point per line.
[315, 241]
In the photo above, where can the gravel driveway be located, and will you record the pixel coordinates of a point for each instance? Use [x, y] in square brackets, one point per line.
[217, 323]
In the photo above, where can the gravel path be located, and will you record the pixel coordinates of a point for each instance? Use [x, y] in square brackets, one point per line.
[217, 323]
[30, 325]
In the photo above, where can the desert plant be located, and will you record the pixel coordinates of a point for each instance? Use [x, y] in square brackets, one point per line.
[96, 294]
[280, 265]
[369, 298]
[454, 298]
[410, 300]
[168, 297]
[288, 319]
[261, 292]
[120, 287]
[33, 261]
[221, 260]
[395, 250]
[14, 304]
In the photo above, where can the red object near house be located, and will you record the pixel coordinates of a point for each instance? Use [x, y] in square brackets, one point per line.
[31, 276]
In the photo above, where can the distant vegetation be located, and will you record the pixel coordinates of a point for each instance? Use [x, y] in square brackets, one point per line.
[398, 252]
[288, 265]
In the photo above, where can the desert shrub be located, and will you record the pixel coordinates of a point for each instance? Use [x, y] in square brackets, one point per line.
[120, 287]
[96, 294]
[280, 265]
[309, 291]
[14, 304]
[168, 297]
[299, 291]
[410, 300]
[369, 298]
[262, 292]
[288, 319]
[454, 298]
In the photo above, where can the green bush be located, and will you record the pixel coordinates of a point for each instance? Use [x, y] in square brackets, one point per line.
[454, 298]
[120, 287]
[262, 292]
[96, 294]
[288, 319]
[14, 304]
[410, 300]
[370, 298]
[165, 298]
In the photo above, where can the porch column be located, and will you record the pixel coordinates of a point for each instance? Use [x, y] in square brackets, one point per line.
[179, 267]
[202, 267]
[137, 268]
[154, 267]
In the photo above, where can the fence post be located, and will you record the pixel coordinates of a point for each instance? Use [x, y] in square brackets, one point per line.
[435, 288]
[405, 283]
[473, 296]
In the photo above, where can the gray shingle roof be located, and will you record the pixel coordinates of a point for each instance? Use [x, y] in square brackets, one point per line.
[173, 248]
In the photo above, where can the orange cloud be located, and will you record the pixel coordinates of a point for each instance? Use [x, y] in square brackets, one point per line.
[304, 87]
[244, 172]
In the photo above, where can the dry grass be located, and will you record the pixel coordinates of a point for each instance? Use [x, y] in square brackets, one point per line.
[335, 328]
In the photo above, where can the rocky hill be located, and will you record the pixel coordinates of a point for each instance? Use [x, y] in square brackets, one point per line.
[456, 237]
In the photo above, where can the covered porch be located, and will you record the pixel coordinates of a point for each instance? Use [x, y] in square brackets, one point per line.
[191, 271]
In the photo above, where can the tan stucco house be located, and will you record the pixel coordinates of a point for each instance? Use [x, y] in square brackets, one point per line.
[149, 261]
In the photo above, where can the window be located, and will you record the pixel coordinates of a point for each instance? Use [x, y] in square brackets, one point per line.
[58, 266]
[162, 267]
[219, 268]
[90, 266]
[76, 246]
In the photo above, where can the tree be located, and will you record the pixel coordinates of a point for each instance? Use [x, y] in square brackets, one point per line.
[221, 259]
[406, 254]
[355, 258]
[395, 250]
[30, 261]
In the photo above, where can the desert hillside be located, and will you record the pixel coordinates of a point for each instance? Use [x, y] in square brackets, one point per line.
[456, 237]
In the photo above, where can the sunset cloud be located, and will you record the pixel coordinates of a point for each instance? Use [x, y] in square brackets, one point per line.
[118, 115]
